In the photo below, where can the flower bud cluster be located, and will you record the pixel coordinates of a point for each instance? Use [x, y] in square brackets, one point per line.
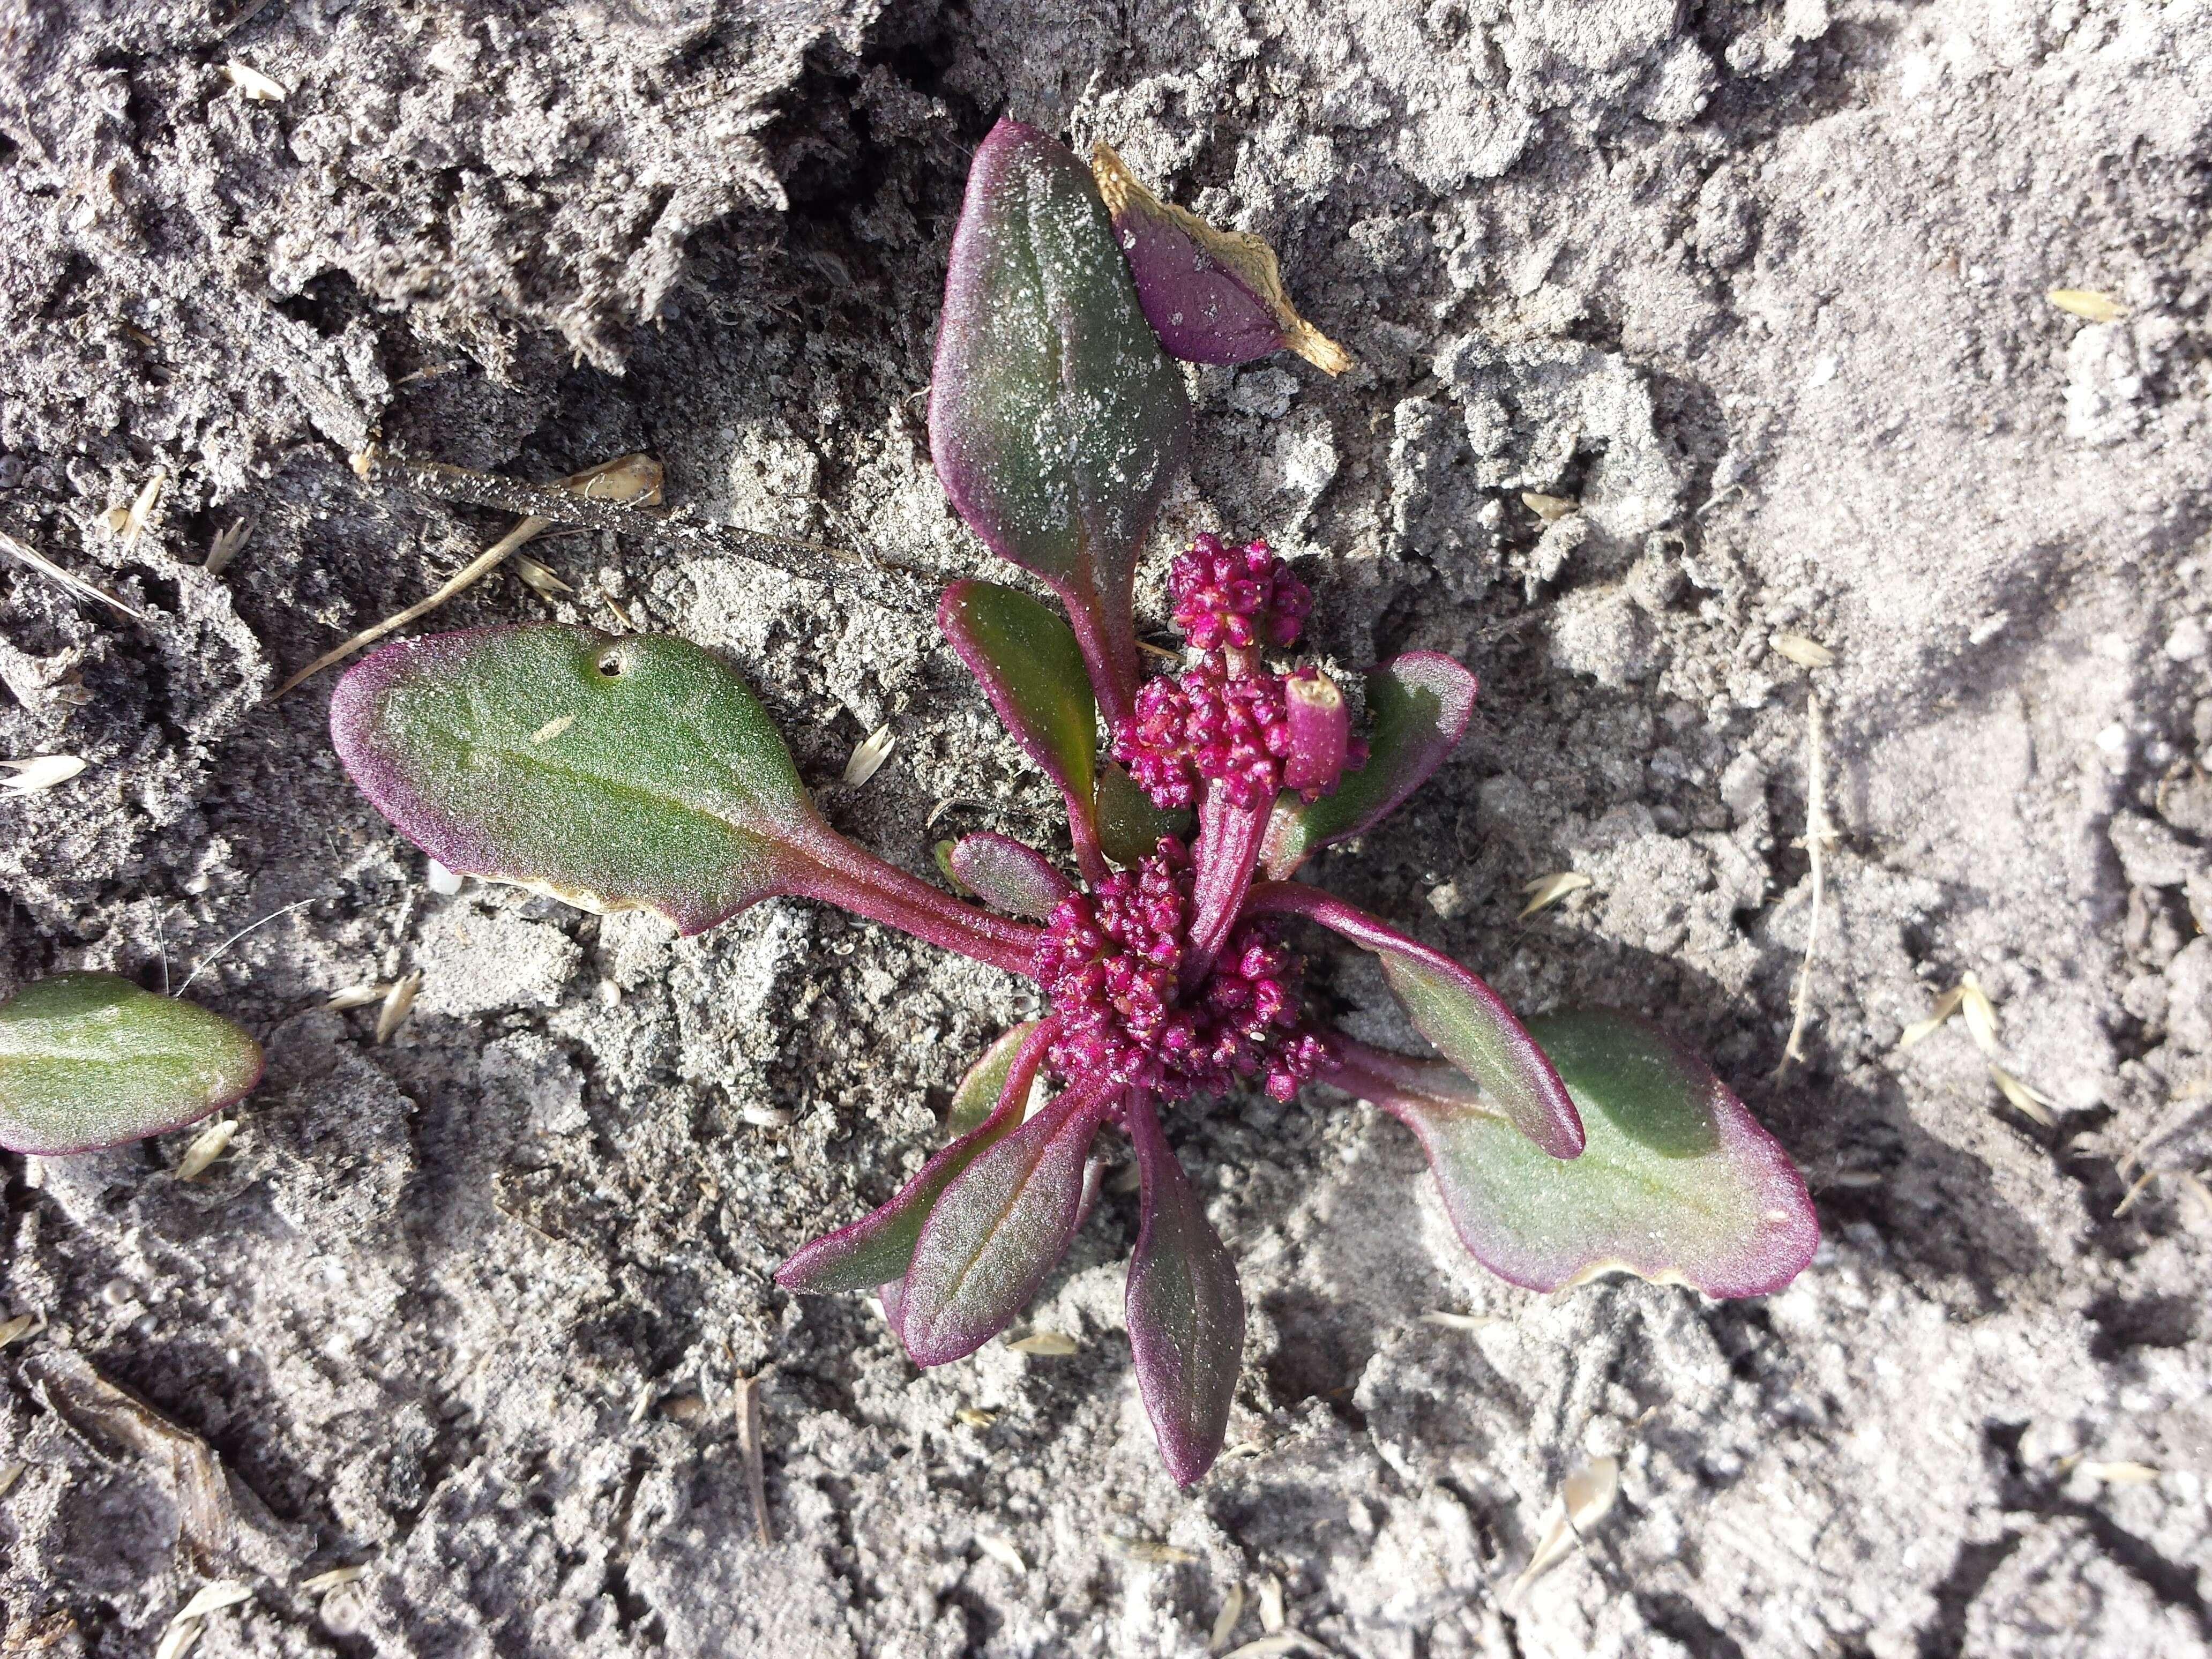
[1111, 962]
[1225, 719]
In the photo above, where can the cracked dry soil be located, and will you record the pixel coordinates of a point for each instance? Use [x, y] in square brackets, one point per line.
[1760, 289]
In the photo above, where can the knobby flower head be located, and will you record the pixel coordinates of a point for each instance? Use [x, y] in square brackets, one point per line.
[1112, 961]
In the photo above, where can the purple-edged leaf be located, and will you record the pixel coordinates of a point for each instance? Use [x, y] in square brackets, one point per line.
[1213, 296]
[1011, 877]
[1468, 1023]
[977, 1097]
[879, 1248]
[1186, 1313]
[1129, 825]
[92, 1060]
[997, 1230]
[1031, 670]
[1055, 421]
[616, 775]
[1418, 705]
[1678, 1181]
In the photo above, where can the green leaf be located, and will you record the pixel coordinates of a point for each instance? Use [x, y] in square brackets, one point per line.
[996, 1232]
[1030, 668]
[979, 1091]
[616, 775]
[92, 1060]
[1677, 1182]
[1055, 420]
[1469, 1021]
[1129, 825]
[876, 1251]
[1186, 1313]
[1418, 705]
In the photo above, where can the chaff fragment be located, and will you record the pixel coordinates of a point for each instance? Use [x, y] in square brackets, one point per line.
[1003, 1552]
[2087, 303]
[45, 567]
[398, 1002]
[40, 773]
[252, 85]
[1820, 835]
[1225, 1622]
[226, 546]
[2031, 1103]
[208, 1145]
[1550, 508]
[1547, 891]
[1585, 1499]
[1804, 653]
[868, 757]
[1052, 1345]
[627, 480]
[1149, 1551]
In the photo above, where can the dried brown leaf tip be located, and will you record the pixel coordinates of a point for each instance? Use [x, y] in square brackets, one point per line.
[2087, 303]
[1547, 891]
[1213, 296]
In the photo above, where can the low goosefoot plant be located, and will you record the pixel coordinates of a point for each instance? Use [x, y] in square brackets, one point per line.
[640, 772]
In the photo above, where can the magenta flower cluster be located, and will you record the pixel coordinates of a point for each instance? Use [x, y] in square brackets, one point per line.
[1225, 719]
[1113, 962]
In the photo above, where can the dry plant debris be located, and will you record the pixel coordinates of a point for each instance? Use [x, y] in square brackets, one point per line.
[130, 522]
[1277, 1644]
[252, 85]
[1149, 1551]
[40, 773]
[106, 1416]
[1820, 837]
[628, 480]
[356, 996]
[9, 1474]
[868, 757]
[1550, 508]
[745, 1404]
[226, 546]
[208, 1145]
[15, 1330]
[1225, 1622]
[397, 1003]
[973, 1417]
[323, 1583]
[2088, 304]
[1457, 1322]
[45, 567]
[2033, 1103]
[1586, 1498]
[998, 1549]
[1547, 891]
[1806, 654]
[1052, 1345]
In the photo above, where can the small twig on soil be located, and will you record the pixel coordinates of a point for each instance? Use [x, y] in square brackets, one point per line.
[1820, 835]
[890, 583]
[45, 567]
[625, 479]
[747, 1407]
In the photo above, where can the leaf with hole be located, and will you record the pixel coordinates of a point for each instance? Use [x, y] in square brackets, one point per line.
[92, 1060]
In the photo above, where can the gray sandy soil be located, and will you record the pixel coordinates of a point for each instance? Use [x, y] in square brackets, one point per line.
[1759, 288]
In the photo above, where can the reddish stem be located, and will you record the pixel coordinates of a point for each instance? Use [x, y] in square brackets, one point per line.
[1107, 636]
[855, 879]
